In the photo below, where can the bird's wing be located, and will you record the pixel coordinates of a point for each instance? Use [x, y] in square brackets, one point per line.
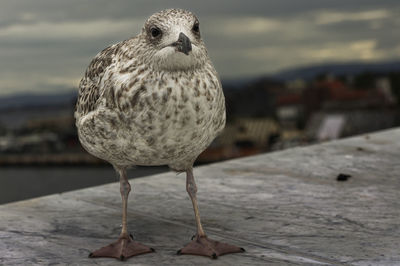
[90, 87]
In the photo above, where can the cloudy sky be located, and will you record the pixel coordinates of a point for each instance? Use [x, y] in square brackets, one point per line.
[45, 45]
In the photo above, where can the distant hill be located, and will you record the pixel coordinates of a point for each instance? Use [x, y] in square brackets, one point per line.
[310, 72]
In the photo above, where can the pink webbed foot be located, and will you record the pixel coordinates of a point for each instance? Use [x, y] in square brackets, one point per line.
[203, 246]
[125, 247]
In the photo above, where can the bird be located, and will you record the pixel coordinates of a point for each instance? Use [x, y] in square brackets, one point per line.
[153, 99]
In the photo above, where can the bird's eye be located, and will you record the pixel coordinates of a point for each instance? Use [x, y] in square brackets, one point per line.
[155, 32]
[196, 27]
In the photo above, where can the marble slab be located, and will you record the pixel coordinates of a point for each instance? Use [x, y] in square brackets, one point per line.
[284, 208]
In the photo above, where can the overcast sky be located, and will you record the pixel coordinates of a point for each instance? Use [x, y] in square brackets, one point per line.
[45, 45]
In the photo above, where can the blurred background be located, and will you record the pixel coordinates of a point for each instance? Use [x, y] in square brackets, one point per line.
[294, 73]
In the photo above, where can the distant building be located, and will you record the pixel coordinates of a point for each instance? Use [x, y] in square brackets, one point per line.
[290, 110]
[384, 87]
[343, 111]
[329, 108]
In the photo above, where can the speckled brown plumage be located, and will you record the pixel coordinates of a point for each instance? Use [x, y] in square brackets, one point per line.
[130, 95]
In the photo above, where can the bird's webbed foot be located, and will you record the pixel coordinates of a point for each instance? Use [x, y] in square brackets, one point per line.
[125, 247]
[203, 246]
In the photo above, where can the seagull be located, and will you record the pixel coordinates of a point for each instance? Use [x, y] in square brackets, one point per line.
[154, 99]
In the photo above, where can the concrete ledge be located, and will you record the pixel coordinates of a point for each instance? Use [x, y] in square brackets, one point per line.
[284, 208]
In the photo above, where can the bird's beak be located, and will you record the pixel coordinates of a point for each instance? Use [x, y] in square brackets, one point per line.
[183, 44]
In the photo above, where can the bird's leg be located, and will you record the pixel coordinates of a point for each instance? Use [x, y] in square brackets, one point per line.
[125, 246]
[191, 189]
[201, 244]
[124, 188]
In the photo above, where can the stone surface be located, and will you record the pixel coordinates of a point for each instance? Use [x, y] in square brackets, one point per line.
[284, 208]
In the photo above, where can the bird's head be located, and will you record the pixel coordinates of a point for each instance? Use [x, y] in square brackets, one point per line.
[173, 42]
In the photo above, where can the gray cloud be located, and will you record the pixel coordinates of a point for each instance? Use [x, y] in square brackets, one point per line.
[47, 44]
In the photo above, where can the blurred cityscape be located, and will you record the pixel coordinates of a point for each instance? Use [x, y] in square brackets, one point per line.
[297, 107]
